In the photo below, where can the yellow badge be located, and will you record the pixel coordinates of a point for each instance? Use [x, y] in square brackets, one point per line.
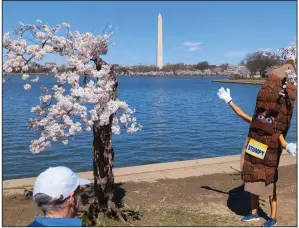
[256, 149]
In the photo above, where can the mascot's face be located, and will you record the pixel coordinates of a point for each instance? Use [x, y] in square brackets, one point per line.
[275, 101]
[264, 121]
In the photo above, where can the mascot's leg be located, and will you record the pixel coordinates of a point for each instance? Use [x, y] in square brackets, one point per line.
[273, 203]
[254, 202]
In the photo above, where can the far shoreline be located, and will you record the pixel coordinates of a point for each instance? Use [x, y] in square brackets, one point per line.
[250, 81]
[127, 75]
[243, 81]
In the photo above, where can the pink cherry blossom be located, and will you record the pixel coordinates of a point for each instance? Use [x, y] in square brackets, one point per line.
[61, 114]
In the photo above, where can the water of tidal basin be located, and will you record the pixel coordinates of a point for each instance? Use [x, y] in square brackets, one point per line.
[183, 119]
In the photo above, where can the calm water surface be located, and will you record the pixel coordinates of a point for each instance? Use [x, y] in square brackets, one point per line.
[183, 119]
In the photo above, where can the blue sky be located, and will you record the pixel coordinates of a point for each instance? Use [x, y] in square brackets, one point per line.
[217, 32]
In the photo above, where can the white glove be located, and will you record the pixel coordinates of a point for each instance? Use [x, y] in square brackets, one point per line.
[224, 95]
[292, 149]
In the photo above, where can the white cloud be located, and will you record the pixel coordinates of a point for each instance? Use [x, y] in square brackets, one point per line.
[192, 46]
[235, 54]
[265, 49]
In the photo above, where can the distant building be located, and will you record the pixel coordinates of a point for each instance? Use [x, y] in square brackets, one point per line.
[257, 75]
[49, 65]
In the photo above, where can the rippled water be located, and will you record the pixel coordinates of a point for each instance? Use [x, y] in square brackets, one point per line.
[183, 119]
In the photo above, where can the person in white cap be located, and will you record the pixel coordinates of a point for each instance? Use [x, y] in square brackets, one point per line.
[57, 193]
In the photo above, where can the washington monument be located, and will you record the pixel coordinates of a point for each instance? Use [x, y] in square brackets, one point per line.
[159, 43]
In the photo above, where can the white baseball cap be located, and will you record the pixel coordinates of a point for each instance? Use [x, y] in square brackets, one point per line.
[57, 181]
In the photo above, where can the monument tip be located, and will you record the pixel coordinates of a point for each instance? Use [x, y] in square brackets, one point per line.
[159, 15]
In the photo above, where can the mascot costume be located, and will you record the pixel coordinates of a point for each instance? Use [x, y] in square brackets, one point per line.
[263, 146]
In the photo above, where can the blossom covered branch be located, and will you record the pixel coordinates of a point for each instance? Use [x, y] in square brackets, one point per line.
[68, 107]
[291, 54]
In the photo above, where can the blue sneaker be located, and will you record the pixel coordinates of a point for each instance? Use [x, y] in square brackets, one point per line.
[250, 217]
[270, 222]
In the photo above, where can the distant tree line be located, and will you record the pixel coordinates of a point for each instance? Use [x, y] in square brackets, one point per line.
[35, 68]
[255, 63]
[171, 67]
[261, 62]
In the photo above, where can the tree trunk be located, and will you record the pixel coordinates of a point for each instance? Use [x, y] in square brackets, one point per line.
[103, 162]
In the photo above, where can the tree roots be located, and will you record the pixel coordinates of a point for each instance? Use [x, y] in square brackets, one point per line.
[96, 216]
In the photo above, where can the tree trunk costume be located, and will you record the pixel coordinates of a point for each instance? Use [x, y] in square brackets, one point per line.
[272, 117]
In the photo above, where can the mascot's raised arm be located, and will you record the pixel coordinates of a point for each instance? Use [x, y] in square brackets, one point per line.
[269, 126]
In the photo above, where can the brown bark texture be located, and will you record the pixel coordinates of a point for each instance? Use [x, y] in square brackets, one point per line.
[269, 99]
[105, 204]
[103, 162]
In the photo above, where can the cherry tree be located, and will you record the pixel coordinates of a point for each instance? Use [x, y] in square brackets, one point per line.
[289, 52]
[89, 106]
[285, 54]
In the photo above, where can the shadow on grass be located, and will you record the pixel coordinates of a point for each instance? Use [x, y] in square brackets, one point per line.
[239, 201]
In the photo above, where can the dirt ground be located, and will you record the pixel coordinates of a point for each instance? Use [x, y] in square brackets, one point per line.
[211, 200]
